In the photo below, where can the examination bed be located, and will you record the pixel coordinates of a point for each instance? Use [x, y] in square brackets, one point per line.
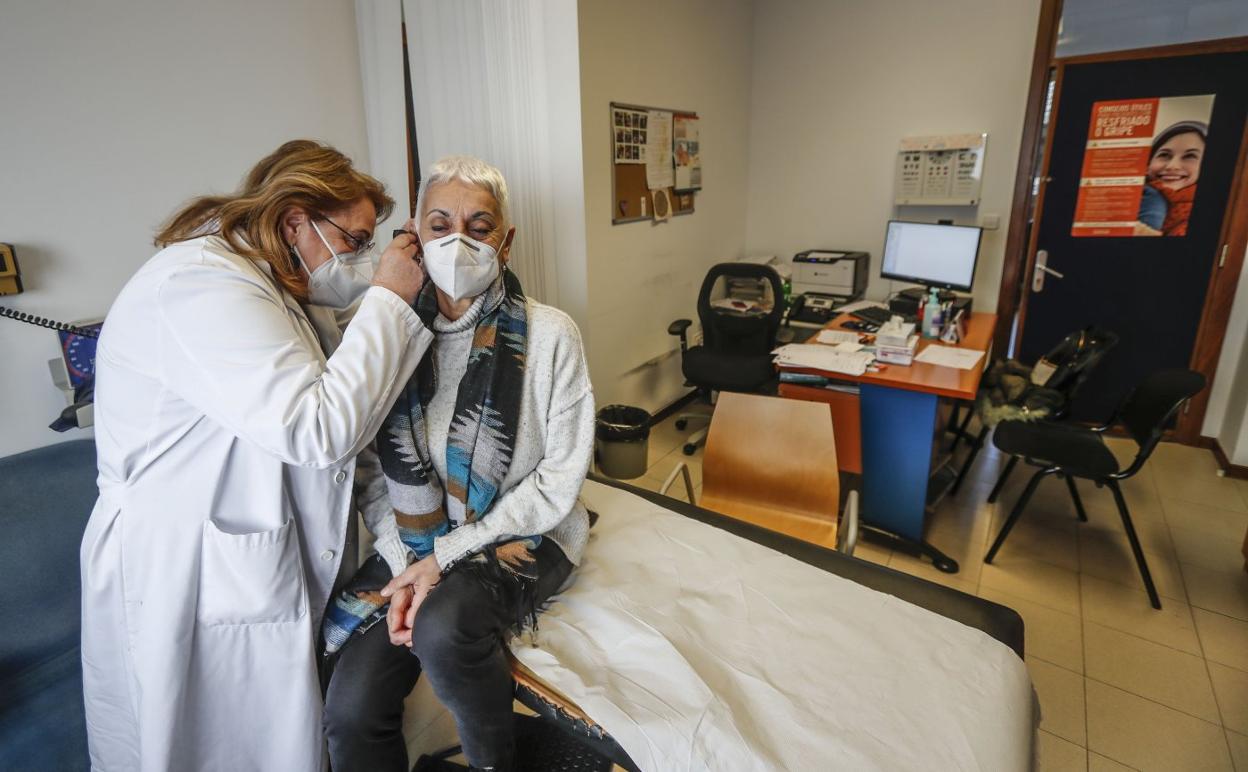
[47, 495]
[693, 641]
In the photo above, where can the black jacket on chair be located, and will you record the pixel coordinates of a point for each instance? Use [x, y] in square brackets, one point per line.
[736, 351]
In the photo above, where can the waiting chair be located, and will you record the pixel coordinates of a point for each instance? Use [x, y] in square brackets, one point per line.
[735, 354]
[772, 462]
[1074, 359]
[47, 497]
[1077, 452]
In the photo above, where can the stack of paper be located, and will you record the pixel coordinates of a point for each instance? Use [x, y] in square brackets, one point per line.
[823, 358]
[837, 336]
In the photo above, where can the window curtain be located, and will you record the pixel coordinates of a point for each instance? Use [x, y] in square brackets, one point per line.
[379, 25]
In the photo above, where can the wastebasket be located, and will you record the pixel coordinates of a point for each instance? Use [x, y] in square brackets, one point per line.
[623, 435]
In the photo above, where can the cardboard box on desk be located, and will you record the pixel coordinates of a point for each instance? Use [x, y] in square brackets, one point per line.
[897, 355]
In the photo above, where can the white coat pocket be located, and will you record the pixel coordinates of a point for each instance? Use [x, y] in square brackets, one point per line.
[250, 578]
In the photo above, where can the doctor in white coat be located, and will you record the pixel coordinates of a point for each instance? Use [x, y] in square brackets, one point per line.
[227, 434]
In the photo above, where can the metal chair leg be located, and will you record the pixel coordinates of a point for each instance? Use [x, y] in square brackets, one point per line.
[1018, 511]
[1005, 474]
[1135, 544]
[959, 431]
[1074, 496]
[970, 459]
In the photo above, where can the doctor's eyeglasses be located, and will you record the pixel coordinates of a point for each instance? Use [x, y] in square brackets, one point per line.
[360, 247]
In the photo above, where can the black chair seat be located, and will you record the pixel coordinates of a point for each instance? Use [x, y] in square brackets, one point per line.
[1078, 451]
[726, 372]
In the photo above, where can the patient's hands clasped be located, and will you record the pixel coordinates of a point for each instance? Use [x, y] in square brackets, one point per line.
[406, 592]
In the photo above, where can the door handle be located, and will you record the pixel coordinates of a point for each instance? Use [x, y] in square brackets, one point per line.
[1037, 279]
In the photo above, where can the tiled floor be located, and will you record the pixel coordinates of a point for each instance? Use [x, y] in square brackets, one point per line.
[1121, 686]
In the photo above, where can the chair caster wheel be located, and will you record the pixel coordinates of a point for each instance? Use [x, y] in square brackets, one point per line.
[681, 424]
[690, 449]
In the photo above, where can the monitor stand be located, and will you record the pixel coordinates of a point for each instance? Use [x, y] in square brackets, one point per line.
[920, 294]
[909, 301]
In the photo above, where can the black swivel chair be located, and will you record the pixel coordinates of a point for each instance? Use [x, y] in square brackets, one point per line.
[1074, 451]
[1074, 358]
[735, 354]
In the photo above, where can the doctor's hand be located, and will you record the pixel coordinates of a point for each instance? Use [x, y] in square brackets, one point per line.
[406, 592]
[400, 269]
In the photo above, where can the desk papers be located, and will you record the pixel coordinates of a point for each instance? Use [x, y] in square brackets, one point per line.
[837, 336]
[823, 358]
[948, 356]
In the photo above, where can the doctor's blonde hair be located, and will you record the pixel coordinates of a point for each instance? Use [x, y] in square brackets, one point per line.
[303, 173]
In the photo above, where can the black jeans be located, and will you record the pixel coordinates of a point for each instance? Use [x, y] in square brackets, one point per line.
[458, 641]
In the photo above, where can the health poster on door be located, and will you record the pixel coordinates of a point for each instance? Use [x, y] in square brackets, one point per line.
[1141, 166]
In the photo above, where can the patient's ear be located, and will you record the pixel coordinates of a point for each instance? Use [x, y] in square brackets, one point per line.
[292, 219]
[504, 251]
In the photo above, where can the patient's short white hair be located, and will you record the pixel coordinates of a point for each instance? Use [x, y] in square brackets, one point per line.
[473, 171]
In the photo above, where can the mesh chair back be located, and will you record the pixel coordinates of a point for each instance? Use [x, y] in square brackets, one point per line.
[1154, 403]
[730, 332]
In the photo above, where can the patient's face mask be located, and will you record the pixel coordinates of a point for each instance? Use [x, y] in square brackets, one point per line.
[342, 279]
[461, 266]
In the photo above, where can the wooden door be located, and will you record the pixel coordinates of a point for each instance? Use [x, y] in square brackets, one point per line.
[1141, 164]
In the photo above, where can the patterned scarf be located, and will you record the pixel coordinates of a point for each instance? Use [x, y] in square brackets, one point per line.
[478, 453]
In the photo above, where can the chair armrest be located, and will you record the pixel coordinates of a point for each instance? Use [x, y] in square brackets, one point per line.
[847, 530]
[679, 327]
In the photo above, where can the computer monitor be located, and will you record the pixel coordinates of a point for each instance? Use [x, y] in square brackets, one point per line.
[932, 255]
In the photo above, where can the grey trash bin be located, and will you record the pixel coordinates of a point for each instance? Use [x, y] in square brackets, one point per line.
[623, 435]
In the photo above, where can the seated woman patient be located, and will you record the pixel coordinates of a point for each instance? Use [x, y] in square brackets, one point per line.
[472, 493]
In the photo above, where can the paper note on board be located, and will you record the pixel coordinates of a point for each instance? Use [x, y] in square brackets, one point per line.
[659, 172]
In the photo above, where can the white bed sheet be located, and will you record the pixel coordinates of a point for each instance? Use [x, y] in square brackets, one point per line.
[699, 650]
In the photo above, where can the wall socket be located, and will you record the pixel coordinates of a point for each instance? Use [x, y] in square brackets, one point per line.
[990, 222]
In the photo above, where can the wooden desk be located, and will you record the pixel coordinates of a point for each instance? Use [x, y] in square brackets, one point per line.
[886, 431]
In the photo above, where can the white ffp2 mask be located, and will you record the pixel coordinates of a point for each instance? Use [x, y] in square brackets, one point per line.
[460, 266]
[340, 280]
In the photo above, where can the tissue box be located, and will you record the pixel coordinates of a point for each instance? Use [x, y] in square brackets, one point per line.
[895, 334]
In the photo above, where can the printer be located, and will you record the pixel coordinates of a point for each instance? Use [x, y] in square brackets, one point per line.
[840, 274]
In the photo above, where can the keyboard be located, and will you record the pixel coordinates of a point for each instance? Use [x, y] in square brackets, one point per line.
[873, 314]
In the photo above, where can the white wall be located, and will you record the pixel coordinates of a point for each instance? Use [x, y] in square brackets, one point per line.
[1226, 418]
[117, 112]
[690, 55]
[838, 83]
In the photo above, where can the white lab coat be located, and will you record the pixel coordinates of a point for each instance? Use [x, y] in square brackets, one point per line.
[227, 444]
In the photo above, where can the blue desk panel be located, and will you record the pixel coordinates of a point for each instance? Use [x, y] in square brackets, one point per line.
[897, 428]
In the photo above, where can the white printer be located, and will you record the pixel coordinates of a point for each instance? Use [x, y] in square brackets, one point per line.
[840, 274]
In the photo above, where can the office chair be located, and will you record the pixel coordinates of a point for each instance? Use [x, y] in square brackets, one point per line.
[735, 354]
[772, 462]
[1074, 359]
[1078, 452]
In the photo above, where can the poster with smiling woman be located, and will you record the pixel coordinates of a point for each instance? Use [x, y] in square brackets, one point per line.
[1141, 166]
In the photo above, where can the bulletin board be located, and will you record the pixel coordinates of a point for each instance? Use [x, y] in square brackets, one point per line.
[632, 146]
